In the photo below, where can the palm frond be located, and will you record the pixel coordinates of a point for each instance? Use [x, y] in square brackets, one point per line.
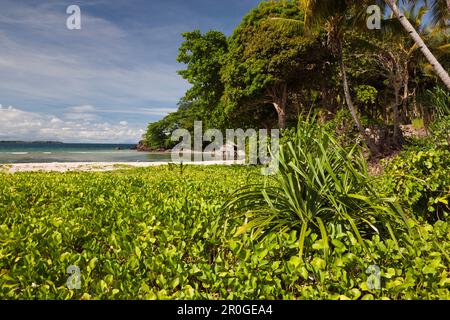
[440, 12]
[287, 24]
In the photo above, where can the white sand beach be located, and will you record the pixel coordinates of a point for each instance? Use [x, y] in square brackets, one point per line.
[95, 166]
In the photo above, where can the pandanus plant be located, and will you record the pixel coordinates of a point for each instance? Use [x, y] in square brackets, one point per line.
[320, 186]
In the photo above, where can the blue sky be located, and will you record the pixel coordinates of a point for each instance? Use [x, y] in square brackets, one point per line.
[102, 83]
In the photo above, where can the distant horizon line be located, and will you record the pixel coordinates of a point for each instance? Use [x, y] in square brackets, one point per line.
[62, 142]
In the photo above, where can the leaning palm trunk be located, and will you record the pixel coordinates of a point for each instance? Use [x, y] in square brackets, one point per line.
[419, 42]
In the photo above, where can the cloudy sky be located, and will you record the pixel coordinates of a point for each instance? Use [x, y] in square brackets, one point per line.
[102, 83]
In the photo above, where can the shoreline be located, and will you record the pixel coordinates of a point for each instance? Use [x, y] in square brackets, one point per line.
[97, 166]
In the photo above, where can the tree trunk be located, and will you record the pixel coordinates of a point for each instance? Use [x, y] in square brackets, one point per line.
[281, 117]
[383, 110]
[415, 110]
[418, 40]
[279, 95]
[405, 98]
[348, 99]
[396, 114]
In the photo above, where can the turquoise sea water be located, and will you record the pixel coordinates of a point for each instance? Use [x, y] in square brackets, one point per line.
[74, 152]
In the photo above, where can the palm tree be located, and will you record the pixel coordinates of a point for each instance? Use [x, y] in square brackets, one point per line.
[335, 16]
[439, 13]
[394, 52]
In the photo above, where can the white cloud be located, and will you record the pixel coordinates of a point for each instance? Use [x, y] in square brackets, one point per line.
[16, 124]
[84, 112]
[103, 63]
[81, 116]
[141, 111]
[91, 113]
[55, 120]
[82, 109]
[112, 66]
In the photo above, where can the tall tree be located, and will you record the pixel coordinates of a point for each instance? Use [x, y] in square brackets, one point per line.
[265, 63]
[202, 54]
[438, 5]
[395, 54]
[337, 17]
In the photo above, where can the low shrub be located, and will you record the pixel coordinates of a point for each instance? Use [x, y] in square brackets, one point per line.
[421, 180]
[319, 184]
[440, 132]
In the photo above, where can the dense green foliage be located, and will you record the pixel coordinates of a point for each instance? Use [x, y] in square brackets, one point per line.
[422, 181]
[159, 233]
[266, 61]
[134, 234]
[440, 132]
[286, 58]
[320, 184]
[318, 229]
[440, 128]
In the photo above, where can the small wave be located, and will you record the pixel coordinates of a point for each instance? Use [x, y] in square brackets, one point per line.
[46, 152]
[18, 153]
[98, 152]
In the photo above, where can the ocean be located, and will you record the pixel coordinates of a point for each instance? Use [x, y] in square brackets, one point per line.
[42, 152]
